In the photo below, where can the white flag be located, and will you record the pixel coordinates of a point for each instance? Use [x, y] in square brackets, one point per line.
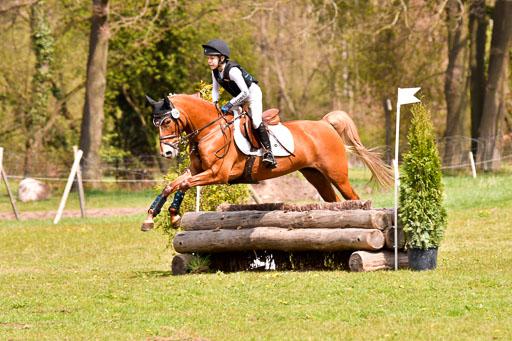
[406, 96]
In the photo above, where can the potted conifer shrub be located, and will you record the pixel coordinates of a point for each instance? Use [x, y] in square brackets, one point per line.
[422, 213]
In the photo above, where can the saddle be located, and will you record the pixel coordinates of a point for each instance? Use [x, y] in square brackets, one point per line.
[269, 117]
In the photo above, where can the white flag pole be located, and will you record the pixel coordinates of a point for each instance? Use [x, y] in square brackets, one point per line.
[198, 197]
[405, 96]
[395, 166]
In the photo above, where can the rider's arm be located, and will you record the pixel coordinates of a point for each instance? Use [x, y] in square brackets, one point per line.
[236, 75]
[215, 90]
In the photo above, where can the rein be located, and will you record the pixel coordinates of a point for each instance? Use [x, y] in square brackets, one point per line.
[190, 136]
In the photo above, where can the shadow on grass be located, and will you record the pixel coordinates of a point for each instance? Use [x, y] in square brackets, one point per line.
[152, 274]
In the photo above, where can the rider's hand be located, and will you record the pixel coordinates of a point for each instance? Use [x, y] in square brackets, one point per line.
[226, 107]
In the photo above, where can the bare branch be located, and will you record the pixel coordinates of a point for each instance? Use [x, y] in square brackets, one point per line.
[393, 23]
[18, 4]
[406, 20]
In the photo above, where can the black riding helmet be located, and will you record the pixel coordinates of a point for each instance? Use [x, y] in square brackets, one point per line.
[216, 47]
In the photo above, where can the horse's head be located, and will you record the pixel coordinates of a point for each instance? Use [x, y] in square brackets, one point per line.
[167, 119]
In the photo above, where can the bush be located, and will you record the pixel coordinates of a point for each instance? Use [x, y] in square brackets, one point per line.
[211, 196]
[422, 213]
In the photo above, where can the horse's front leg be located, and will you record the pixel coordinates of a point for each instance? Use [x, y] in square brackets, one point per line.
[160, 200]
[208, 177]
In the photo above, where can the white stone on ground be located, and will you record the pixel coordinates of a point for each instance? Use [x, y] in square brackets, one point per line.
[33, 190]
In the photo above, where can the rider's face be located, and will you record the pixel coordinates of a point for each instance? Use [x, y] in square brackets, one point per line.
[213, 62]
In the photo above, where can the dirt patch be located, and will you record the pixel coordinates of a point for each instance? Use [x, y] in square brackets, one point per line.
[286, 188]
[96, 212]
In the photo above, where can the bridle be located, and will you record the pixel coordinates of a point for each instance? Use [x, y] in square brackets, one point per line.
[174, 115]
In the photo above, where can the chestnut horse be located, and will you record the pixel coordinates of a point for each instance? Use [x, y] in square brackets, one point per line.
[319, 152]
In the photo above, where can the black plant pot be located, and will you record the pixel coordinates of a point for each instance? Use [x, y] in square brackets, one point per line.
[422, 259]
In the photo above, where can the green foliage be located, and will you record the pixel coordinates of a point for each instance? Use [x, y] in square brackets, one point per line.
[166, 56]
[199, 263]
[211, 196]
[43, 46]
[422, 213]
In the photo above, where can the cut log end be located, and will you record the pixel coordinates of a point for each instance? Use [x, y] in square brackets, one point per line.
[375, 240]
[180, 263]
[389, 235]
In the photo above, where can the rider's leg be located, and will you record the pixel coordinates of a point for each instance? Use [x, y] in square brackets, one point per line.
[255, 103]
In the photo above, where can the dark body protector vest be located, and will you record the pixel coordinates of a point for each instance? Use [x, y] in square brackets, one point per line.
[229, 85]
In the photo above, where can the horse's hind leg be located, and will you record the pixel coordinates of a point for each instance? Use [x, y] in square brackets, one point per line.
[321, 183]
[342, 184]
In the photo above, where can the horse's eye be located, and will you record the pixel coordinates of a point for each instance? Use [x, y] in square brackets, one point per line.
[167, 122]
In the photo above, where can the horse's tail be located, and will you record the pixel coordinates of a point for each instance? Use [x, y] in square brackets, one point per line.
[382, 174]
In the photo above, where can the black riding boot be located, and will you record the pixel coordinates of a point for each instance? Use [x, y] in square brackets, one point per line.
[268, 157]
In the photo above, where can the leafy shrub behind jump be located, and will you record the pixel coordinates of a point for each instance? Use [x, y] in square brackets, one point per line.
[422, 213]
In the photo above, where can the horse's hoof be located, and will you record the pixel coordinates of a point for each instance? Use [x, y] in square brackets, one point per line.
[175, 221]
[147, 226]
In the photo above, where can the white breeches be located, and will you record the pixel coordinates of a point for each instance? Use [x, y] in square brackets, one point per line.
[254, 102]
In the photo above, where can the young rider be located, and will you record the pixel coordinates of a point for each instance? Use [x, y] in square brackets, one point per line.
[242, 86]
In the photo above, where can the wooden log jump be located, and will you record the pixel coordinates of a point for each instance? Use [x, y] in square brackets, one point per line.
[273, 238]
[313, 230]
[370, 219]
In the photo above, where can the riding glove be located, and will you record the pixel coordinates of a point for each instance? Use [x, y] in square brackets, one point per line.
[226, 107]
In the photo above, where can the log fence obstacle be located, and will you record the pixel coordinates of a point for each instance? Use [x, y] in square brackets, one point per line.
[345, 235]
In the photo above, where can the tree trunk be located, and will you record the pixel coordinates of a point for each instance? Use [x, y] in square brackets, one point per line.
[478, 39]
[273, 238]
[43, 46]
[503, 93]
[370, 219]
[456, 81]
[500, 43]
[92, 120]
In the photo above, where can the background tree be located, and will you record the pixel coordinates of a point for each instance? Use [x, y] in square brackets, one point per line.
[93, 115]
[457, 80]
[490, 124]
[478, 24]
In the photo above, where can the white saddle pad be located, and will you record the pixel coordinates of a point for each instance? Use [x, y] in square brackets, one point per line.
[282, 133]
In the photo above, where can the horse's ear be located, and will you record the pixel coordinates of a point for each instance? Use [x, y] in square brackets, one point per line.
[167, 103]
[150, 100]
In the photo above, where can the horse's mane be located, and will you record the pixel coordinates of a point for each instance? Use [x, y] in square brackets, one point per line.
[194, 97]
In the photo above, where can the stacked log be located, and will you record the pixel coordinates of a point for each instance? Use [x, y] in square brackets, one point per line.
[369, 219]
[281, 239]
[316, 227]
[370, 261]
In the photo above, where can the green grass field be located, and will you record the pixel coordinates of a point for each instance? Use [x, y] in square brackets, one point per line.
[104, 279]
[93, 198]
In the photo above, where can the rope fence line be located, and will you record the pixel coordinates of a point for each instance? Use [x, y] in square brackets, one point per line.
[85, 180]
[149, 169]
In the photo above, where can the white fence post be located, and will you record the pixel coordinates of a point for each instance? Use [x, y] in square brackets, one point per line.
[72, 174]
[6, 181]
[80, 185]
[472, 160]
